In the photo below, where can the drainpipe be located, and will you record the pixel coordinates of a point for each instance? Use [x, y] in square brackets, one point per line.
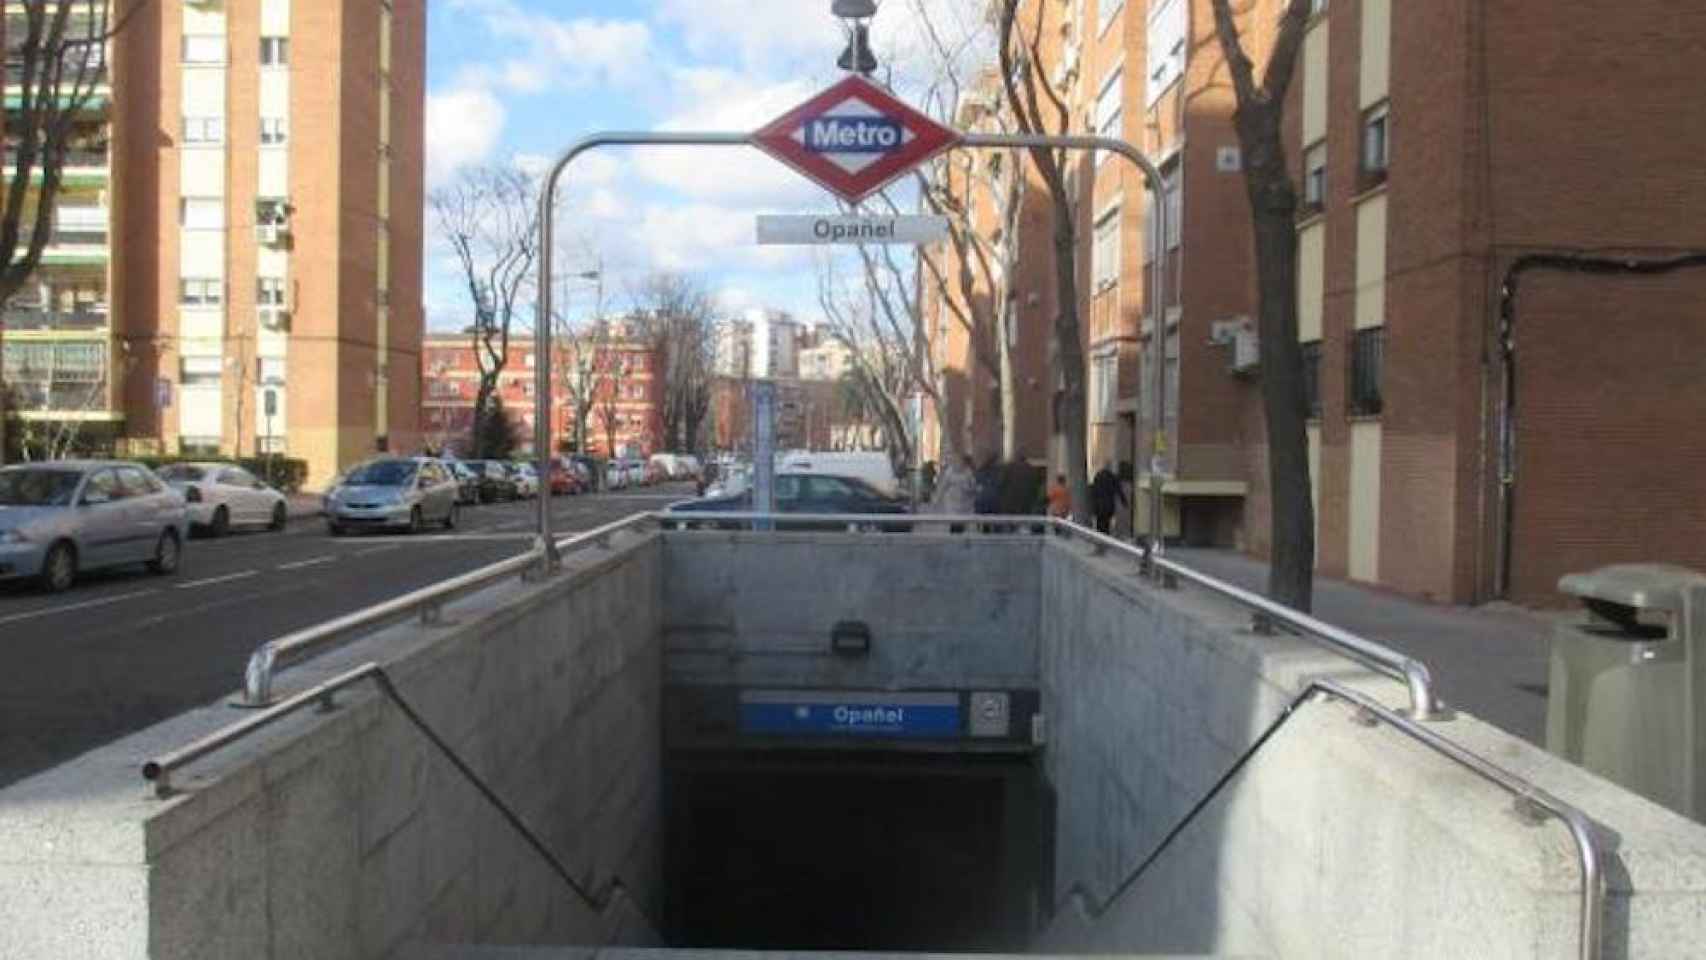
[1566, 263]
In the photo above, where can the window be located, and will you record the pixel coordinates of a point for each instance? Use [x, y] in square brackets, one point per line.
[204, 48]
[1312, 378]
[1109, 103]
[271, 370]
[103, 487]
[1315, 177]
[275, 51]
[1104, 386]
[1376, 146]
[1367, 358]
[201, 213]
[201, 371]
[204, 130]
[1169, 29]
[272, 211]
[1175, 205]
[269, 291]
[274, 131]
[201, 291]
[1105, 254]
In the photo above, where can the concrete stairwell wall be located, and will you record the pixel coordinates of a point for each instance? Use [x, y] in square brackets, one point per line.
[1339, 839]
[343, 834]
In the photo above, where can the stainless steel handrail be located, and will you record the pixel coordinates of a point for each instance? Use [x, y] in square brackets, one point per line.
[1580, 827]
[427, 602]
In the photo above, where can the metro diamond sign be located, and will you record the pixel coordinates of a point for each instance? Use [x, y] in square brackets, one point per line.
[853, 138]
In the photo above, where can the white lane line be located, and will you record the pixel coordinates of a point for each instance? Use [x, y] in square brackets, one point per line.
[67, 608]
[370, 551]
[311, 562]
[395, 542]
[210, 581]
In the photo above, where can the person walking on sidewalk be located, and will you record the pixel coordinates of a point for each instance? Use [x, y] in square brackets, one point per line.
[1059, 498]
[1106, 497]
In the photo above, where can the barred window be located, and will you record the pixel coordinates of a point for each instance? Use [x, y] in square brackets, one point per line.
[1367, 360]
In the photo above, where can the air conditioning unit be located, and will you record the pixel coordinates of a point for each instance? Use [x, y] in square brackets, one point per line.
[1246, 351]
[272, 234]
[275, 318]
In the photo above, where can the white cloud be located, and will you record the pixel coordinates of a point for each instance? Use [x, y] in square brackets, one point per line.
[463, 125]
[716, 99]
[761, 33]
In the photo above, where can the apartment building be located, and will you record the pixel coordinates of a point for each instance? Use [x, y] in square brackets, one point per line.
[266, 222]
[1476, 203]
[619, 378]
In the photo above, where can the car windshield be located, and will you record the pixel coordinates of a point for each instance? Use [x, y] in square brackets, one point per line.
[181, 472]
[382, 473]
[37, 488]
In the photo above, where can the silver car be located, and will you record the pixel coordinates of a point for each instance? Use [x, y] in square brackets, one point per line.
[393, 493]
[223, 495]
[60, 518]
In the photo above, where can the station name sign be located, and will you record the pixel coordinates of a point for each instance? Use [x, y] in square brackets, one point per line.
[926, 715]
[805, 229]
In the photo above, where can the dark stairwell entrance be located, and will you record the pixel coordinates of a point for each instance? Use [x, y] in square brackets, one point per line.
[852, 850]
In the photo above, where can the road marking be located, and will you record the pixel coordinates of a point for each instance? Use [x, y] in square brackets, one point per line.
[210, 581]
[395, 542]
[67, 608]
[311, 562]
[370, 551]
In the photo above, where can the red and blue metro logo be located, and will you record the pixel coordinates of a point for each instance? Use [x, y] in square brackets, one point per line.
[853, 138]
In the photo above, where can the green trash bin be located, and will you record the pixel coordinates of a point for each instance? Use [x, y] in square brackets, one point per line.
[1627, 697]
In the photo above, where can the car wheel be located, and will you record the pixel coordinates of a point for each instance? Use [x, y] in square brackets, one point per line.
[450, 518]
[167, 553]
[279, 516]
[59, 568]
[221, 524]
[416, 524]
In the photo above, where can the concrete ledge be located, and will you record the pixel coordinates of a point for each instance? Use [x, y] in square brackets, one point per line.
[344, 834]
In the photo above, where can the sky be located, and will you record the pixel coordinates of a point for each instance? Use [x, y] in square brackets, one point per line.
[516, 81]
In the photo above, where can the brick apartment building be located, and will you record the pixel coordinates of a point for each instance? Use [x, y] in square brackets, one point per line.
[243, 235]
[1468, 171]
[621, 382]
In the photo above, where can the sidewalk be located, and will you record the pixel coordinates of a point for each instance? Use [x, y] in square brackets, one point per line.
[1490, 661]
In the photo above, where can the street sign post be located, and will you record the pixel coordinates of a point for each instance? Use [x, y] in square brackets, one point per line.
[787, 229]
[853, 138]
[763, 448]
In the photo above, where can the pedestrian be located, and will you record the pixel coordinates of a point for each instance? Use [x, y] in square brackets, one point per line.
[956, 491]
[1059, 498]
[1106, 497]
[927, 481]
[988, 498]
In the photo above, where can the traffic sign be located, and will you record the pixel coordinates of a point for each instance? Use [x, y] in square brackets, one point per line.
[910, 228]
[853, 138]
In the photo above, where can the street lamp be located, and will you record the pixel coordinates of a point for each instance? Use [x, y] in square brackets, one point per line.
[857, 57]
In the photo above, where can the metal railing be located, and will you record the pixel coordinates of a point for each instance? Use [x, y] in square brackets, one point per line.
[427, 603]
[1528, 797]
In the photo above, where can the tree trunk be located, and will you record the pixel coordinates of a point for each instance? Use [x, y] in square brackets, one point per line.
[1070, 353]
[482, 408]
[1273, 205]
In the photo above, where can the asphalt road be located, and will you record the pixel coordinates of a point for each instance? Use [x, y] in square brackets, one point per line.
[124, 650]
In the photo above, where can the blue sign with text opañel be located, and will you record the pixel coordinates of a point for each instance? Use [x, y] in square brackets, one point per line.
[933, 716]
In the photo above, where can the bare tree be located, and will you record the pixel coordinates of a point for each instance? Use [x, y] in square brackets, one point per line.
[576, 363]
[878, 320]
[489, 216]
[611, 363]
[1037, 108]
[675, 318]
[57, 63]
[1273, 209]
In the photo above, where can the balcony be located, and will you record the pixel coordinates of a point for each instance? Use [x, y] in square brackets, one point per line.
[27, 317]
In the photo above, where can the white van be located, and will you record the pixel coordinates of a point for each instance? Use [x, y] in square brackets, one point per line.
[871, 466]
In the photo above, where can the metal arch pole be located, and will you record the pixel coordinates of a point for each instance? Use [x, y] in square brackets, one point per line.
[546, 545]
[1158, 336]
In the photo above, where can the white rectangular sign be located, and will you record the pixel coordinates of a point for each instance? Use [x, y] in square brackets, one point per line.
[807, 229]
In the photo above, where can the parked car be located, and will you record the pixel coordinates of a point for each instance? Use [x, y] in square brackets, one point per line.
[467, 482]
[655, 472]
[393, 493]
[526, 479]
[64, 517]
[220, 496]
[636, 471]
[495, 482]
[615, 475]
[591, 470]
[806, 493]
[565, 479]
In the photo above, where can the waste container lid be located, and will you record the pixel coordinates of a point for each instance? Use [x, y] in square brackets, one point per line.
[1644, 586]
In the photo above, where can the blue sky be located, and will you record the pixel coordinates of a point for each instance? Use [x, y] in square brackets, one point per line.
[517, 80]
